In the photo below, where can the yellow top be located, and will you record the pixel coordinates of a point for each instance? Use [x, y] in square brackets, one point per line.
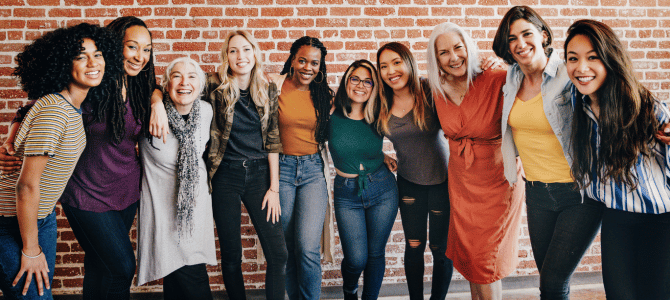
[539, 149]
[297, 121]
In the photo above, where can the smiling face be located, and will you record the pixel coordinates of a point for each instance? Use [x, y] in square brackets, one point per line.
[88, 67]
[306, 64]
[240, 56]
[183, 86]
[359, 93]
[451, 54]
[525, 43]
[393, 70]
[585, 68]
[136, 49]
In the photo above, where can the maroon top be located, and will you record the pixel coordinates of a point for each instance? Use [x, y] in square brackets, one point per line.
[107, 176]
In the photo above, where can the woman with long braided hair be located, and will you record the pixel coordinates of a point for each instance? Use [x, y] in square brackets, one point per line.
[304, 106]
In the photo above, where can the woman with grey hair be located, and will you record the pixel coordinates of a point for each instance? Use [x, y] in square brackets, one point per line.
[176, 229]
[485, 208]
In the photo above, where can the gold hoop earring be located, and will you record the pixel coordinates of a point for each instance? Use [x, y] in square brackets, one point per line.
[290, 71]
[322, 77]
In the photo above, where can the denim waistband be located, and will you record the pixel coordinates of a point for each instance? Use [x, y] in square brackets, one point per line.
[545, 184]
[300, 157]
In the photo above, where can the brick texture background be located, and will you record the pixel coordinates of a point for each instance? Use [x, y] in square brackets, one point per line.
[350, 29]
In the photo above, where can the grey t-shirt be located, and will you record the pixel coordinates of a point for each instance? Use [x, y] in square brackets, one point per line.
[422, 155]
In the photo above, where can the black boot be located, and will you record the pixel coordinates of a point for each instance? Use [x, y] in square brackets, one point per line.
[348, 296]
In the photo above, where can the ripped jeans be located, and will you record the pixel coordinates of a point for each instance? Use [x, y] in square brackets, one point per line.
[417, 202]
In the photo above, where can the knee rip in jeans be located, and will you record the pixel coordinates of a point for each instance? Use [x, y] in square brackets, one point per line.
[414, 243]
[436, 212]
[408, 200]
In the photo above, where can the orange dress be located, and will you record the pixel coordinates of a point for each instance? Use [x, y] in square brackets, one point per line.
[485, 210]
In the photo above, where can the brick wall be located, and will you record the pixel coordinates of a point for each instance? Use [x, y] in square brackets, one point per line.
[350, 30]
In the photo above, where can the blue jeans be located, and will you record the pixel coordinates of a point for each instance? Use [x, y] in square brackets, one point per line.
[417, 202]
[109, 261]
[635, 255]
[364, 223]
[234, 183]
[10, 256]
[561, 228]
[304, 199]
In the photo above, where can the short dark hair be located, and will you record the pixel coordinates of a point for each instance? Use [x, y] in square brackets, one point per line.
[500, 42]
[45, 66]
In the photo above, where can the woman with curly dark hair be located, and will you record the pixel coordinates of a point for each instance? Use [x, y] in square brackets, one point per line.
[62, 69]
[618, 162]
[304, 105]
[100, 200]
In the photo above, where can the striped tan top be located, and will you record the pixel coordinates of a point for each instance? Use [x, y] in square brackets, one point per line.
[52, 127]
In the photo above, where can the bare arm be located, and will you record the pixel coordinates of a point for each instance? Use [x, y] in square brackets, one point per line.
[33, 261]
[8, 162]
[271, 198]
[158, 124]
[663, 134]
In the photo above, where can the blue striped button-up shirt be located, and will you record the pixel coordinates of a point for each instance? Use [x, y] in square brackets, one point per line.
[652, 194]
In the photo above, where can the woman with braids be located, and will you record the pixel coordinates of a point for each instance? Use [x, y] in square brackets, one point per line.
[62, 69]
[175, 225]
[618, 162]
[408, 118]
[100, 200]
[536, 124]
[304, 106]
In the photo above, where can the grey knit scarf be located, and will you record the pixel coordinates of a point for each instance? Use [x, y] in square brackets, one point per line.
[187, 161]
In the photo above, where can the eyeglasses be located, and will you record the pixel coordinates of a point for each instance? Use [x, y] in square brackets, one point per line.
[368, 83]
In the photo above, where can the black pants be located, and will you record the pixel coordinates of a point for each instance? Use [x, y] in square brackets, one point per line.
[235, 183]
[561, 228]
[187, 282]
[636, 255]
[417, 202]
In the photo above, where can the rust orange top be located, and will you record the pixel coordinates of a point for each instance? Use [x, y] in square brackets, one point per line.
[297, 121]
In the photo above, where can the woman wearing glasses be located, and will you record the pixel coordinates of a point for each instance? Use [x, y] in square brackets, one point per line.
[366, 195]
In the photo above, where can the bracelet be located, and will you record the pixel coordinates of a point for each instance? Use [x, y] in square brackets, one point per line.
[36, 256]
[271, 190]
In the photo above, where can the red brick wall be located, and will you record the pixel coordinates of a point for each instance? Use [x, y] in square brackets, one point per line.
[350, 30]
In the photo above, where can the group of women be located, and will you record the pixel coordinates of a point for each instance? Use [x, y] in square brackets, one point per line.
[586, 131]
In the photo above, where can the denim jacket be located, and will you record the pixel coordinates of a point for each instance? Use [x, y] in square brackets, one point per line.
[557, 108]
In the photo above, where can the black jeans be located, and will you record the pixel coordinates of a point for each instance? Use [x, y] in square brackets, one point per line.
[187, 282]
[635, 255]
[561, 229]
[109, 261]
[417, 202]
[237, 182]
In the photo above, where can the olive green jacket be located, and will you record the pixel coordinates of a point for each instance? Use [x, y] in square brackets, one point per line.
[222, 123]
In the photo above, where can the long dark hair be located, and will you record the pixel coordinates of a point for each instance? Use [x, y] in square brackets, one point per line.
[415, 89]
[627, 121]
[138, 89]
[320, 92]
[45, 66]
[500, 41]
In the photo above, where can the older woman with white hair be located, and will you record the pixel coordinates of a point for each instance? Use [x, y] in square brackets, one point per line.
[485, 209]
[176, 229]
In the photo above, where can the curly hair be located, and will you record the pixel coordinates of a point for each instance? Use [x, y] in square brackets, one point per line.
[627, 120]
[138, 88]
[320, 92]
[45, 66]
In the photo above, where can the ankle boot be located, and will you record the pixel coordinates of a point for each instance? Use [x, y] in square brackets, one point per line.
[348, 296]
